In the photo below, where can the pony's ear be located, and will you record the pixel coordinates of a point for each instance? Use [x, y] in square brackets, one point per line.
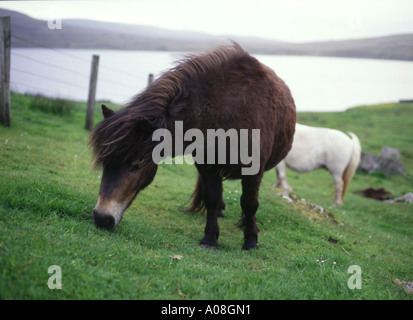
[107, 112]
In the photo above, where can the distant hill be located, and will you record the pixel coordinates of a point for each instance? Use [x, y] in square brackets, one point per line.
[88, 34]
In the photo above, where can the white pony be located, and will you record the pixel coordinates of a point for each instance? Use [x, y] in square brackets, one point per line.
[315, 148]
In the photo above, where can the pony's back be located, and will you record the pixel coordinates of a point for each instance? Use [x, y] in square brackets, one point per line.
[315, 147]
[229, 89]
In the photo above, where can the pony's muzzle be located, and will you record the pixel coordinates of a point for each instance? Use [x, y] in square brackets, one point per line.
[108, 213]
[104, 220]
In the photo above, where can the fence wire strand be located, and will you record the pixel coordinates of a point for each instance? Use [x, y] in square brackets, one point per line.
[68, 70]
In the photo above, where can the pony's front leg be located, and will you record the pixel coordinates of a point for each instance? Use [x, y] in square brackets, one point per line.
[249, 205]
[212, 200]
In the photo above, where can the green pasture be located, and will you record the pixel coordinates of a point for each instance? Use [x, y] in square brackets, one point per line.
[48, 189]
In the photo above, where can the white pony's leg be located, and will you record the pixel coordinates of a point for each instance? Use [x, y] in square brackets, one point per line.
[339, 184]
[281, 172]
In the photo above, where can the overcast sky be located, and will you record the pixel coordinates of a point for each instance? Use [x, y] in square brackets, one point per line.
[285, 20]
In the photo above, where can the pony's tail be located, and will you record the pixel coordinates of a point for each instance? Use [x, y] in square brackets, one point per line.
[353, 164]
[197, 203]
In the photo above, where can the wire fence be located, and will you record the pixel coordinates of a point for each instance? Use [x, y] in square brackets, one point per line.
[46, 69]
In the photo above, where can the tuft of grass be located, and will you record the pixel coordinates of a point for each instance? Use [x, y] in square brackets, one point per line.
[57, 106]
[48, 189]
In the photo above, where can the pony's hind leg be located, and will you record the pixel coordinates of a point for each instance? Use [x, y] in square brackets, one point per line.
[249, 205]
[212, 187]
[339, 186]
[281, 172]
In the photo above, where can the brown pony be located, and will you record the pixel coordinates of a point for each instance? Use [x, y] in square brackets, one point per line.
[223, 89]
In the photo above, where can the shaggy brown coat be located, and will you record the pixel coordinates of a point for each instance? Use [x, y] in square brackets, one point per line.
[226, 88]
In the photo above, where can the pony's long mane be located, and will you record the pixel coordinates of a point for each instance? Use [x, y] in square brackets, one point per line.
[126, 136]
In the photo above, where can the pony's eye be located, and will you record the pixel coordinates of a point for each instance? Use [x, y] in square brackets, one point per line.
[134, 167]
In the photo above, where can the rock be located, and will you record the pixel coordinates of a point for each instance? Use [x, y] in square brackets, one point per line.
[408, 198]
[392, 166]
[390, 153]
[387, 162]
[286, 196]
[318, 208]
[369, 162]
[310, 210]
[408, 286]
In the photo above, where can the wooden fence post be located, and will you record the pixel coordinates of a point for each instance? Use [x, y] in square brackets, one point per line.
[92, 93]
[5, 70]
[150, 79]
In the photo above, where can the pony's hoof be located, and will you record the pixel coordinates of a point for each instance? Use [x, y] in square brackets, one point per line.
[207, 246]
[249, 246]
[210, 244]
[220, 214]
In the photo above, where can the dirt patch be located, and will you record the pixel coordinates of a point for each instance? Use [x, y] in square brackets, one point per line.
[378, 194]
[382, 194]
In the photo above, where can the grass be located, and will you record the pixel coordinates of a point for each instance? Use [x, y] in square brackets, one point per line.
[56, 106]
[48, 189]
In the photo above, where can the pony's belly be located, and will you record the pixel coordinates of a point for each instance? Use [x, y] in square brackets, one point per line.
[302, 166]
[302, 169]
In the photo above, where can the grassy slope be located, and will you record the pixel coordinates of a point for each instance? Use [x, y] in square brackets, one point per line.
[48, 189]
